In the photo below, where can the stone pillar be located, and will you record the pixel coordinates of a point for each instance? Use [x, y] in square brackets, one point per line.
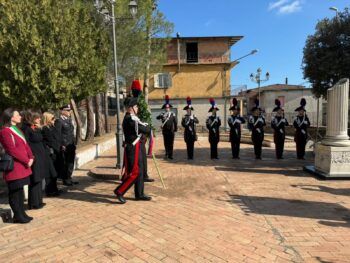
[337, 115]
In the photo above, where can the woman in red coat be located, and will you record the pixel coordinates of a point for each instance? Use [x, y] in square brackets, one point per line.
[15, 145]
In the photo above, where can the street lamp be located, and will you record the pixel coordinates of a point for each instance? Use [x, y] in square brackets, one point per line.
[257, 79]
[133, 11]
[336, 10]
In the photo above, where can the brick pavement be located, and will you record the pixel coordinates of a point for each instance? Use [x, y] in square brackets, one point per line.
[211, 211]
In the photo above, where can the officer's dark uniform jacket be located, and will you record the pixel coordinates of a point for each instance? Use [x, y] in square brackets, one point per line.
[133, 129]
[279, 124]
[189, 123]
[301, 123]
[235, 124]
[213, 125]
[256, 125]
[169, 122]
[64, 163]
[65, 129]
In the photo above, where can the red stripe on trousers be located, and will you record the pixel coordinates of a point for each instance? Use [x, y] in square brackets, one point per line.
[132, 176]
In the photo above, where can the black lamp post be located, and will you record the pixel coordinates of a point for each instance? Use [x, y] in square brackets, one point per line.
[133, 11]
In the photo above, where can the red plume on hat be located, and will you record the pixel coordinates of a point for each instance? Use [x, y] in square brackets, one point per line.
[234, 102]
[278, 105]
[212, 102]
[277, 102]
[189, 101]
[167, 102]
[136, 88]
[136, 85]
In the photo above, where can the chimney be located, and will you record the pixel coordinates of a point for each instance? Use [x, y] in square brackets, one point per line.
[286, 81]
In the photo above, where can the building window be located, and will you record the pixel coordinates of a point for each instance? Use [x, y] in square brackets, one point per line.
[282, 100]
[192, 52]
[162, 80]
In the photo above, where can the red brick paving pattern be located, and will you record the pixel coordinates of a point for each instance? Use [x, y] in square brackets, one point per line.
[211, 211]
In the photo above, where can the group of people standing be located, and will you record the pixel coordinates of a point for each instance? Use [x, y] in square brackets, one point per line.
[41, 147]
[255, 122]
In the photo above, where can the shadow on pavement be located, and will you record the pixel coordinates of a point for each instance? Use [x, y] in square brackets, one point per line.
[330, 214]
[325, 189]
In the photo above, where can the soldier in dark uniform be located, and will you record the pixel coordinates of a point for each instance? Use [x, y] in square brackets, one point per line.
[136, 91]
[133, 129]
[301, 123]
[169, 127]
[189, 122]
[278, 124]
[66, 157]
[235, 121]
[256, 124]
[213, 124]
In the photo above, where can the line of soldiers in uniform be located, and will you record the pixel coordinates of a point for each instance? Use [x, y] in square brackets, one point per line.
[256, 123]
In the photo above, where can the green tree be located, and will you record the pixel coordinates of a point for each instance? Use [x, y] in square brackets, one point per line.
[132, 39]
[327, 53]
[50, 51]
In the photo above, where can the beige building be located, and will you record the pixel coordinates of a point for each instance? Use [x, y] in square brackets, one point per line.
[199, 67]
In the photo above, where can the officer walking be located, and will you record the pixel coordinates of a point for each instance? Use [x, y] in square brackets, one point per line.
[169, 127]
[301, 123]
[133, 130]
[189, 122]
[256, 124]
[213, 123]
[235, 121]
[136, 91]
[66, 157]
[278, 124]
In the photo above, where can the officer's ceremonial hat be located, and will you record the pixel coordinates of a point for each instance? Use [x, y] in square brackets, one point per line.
[213, 105]
[189, 104]
[130, 102]
[278, 105]
[302, 105]
[256, 107]
[167, 103]
[66, 107]
[136, 88]
[235, 105]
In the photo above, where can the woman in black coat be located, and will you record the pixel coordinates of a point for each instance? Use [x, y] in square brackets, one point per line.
[40, 168]
[52, 144]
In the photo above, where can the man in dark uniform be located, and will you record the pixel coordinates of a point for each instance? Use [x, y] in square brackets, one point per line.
[213, 124]
[278, 124]
[136, 91]
[301, 123]
[169, 127]
[133, 130]
[256, 124]
[189, 122]
[235, 121]
[65, 159]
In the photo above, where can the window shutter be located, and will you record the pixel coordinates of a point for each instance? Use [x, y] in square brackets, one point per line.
[156, 80]
[170, 81]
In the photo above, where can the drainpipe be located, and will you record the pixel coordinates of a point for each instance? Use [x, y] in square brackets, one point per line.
[178, 52]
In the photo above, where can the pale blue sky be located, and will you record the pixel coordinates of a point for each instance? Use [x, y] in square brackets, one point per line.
[277, 28]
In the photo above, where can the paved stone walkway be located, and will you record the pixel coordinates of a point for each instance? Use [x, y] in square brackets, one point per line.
[212, 211]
